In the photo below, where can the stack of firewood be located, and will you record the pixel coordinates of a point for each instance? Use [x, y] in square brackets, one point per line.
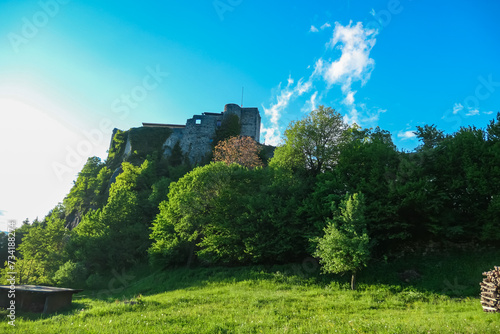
[490, 291]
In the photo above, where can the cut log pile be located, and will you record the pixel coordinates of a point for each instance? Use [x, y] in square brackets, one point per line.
[490, 291]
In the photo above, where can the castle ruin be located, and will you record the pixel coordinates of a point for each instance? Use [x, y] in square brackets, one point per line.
[195, 138]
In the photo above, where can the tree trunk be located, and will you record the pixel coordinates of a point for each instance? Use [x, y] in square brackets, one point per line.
[353, 281]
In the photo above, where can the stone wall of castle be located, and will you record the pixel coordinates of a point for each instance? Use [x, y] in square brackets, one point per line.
[250, 123]
[195, 138]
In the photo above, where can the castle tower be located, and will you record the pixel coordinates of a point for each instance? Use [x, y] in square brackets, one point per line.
[249, 120]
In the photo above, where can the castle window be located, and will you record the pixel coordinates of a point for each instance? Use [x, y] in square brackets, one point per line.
[219, 124]
[198, 121]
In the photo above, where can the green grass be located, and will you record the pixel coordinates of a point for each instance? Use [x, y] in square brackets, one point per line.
[285, 299]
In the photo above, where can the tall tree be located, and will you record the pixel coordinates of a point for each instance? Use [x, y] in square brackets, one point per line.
[117, 235]
[430, 136]
[492, 216]
[313, 142]
[367, 163]
[89, 189]
[42, 250]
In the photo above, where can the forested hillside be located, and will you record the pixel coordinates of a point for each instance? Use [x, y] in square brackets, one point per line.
[147, 207]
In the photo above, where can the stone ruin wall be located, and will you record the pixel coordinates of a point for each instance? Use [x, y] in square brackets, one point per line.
[196, 137]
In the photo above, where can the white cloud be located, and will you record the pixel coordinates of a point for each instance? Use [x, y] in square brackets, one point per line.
[282, 101]
[488, 112]
[352, 116]
[363, 116]
[323, 27]
[326, 25]
[372, 12]
[472, 112]
[271, 135]
[406, 135]
[354, 64]
[457, 107]
[373, 116]
[301, 87]
[349, 99]
[311, 103]
[283, 98]
[351, 66]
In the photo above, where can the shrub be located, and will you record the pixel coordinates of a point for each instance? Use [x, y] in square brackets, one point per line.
[70, 274]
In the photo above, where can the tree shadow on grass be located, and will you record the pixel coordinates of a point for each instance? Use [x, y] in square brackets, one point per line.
[455, 274]
[32, 316]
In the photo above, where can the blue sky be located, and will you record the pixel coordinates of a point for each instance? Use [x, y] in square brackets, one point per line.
[71, 71]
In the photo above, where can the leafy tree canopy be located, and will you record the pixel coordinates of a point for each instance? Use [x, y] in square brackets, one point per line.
[429, 135]
[313, 142]
[229, 214]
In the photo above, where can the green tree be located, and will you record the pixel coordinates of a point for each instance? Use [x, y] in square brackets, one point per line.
[492, 215]
[313, 142]
[345, 247]
[117, 235]
[89, 191]
[230, 127]
[367, 163]
[116, 149]
[430, 137]
[460, 170]
[42, 250]
[192, 203]
[447, 189]
[220, 214]
[176, 157]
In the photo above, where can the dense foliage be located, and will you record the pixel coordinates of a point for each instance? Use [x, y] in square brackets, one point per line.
[312, 142]
[228, 214]
[142, 205]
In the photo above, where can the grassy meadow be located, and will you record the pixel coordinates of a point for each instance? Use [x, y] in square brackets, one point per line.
[409, 295]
